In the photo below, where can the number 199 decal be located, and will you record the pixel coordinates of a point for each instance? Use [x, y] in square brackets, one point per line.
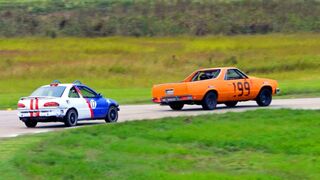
[241, 87]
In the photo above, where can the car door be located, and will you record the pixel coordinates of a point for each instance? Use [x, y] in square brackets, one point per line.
[238, 85]
[76, 101]
[96, 103]
[202, 82]
[100, 103]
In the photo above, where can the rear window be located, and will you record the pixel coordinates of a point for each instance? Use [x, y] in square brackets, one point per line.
[54, 91]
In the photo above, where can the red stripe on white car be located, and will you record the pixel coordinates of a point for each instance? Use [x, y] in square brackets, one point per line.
[89, 105]
[91, 110]
[31, 107]
[78, 90]
[37, 107]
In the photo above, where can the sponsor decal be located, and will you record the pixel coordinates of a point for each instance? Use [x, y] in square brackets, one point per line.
[93, 104]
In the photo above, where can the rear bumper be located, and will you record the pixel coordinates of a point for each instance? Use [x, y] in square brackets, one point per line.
[42, 119]
[42, 113]
[172, 99]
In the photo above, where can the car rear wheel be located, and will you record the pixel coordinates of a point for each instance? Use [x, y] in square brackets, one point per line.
[231, 103]
[176, 106]
[264, 98]
[30, 123]
[210, 101]
[71, 118]
[112, 115]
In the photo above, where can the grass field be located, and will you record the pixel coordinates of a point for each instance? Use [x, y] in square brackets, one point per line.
[261, 144]
[125, 68]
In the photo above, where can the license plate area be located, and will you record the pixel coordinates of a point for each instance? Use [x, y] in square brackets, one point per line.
[170, 99]
[169, 92]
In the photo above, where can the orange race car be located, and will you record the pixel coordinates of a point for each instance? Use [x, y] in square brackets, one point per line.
[209, 87]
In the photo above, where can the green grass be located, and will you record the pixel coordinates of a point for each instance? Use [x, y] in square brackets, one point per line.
[125, 68]
[261, 144]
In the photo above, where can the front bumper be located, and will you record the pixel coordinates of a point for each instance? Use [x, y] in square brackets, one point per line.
[42, 113]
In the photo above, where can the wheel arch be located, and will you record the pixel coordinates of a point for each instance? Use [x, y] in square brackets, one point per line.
[210, 90]
[72, 108]
[265, 87]
[113, 104]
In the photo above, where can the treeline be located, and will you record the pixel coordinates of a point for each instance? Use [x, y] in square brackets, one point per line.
[156, 17]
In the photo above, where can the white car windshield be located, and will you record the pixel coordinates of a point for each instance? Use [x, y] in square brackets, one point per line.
[54, 91]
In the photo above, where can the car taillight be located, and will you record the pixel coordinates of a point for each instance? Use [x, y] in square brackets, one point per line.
[51, 104]
[20, 105]
[184, 98]
[155, 100]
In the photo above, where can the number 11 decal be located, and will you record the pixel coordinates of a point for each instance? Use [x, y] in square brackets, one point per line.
[241, 87]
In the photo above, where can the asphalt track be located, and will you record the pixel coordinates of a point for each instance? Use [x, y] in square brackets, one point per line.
[10, 126]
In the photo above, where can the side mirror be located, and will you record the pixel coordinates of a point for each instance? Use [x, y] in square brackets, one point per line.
[99, 95]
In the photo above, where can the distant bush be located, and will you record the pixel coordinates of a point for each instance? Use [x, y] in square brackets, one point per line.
[157, 17]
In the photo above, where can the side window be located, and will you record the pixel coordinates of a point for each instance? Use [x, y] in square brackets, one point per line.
[201, 76]
[196, 77]
[241, 73]
[204, 75]
[73, 93]
[233, 74]
[86, 92]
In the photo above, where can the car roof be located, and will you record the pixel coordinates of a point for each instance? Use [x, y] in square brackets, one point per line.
[65, 84]
[206, 69]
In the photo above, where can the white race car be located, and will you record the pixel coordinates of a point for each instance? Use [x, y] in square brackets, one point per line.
[66, 103]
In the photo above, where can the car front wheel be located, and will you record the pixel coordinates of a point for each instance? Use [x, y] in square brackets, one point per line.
[71, 118]
[112, 115]
[264, 98]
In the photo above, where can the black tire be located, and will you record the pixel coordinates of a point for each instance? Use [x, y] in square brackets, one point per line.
[209, 102]
[231, 103]
[71, 119]
[176, 106]
[264, 97]
[30, 123]
[112, 115]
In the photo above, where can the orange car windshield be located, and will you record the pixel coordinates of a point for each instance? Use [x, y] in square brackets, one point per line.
[205, 75]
